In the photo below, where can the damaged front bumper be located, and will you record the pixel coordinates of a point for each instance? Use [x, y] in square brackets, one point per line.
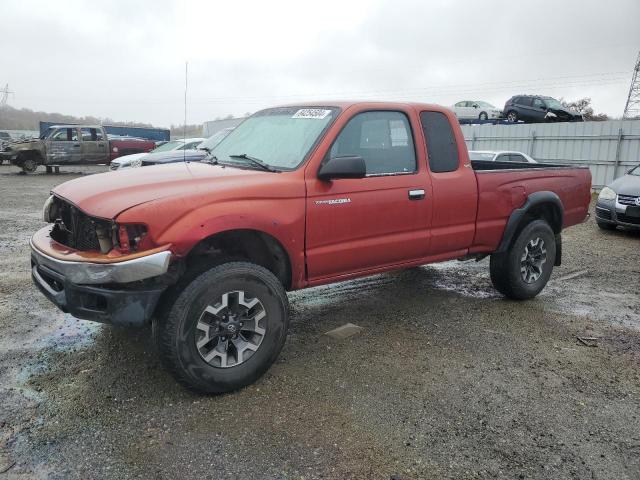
[123, 293]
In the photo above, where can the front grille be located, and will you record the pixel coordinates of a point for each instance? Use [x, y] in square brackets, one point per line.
[603, 213]
[628, 199]
[75, 229]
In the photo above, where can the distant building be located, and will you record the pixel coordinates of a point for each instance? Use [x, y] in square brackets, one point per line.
[213, 126]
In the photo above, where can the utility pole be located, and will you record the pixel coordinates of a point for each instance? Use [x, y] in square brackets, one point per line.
[632, 108]
[5, 96]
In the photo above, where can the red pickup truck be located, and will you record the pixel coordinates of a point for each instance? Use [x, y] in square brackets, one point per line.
[294, 197]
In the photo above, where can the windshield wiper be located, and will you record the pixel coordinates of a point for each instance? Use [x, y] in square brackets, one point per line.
[256, 161]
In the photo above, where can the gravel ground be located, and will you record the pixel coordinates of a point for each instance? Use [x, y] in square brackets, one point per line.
[447, 380]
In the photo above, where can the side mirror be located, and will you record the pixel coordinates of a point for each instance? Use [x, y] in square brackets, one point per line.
[475, 105]
[352, 166]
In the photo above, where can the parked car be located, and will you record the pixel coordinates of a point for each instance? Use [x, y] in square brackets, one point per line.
[71, 144]
[619, 202]
[538, 109]
[470, 109]
[135, 160]
[500, 156]
[294, 197]
[197, 155]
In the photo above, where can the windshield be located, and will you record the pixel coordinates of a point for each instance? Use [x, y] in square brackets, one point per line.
[280, 137]
[481, 155]
[167, 147]
[553, 103]
[215, 139]
[635, 171]
[484, 105]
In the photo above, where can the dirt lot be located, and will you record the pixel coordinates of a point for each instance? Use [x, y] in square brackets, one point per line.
[447, 381]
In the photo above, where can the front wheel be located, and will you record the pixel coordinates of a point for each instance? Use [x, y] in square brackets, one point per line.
[483, 116]
[29, 165]
[525, 268]
[225, 329]
[512, 116]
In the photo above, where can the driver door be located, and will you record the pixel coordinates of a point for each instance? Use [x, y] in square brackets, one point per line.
[63, 146]
[356, 225]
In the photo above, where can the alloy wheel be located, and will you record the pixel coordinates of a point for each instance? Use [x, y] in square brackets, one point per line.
[532, 260]
[230, 331]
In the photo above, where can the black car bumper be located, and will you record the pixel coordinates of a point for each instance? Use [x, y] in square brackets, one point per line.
[615, 214]
[131, 307]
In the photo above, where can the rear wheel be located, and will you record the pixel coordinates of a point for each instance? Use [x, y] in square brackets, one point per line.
[525, 268]
[512, 116]
[225, 329]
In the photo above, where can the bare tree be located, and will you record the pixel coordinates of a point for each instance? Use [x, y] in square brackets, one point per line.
[583, 106]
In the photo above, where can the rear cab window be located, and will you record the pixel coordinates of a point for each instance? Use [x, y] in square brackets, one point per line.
[442, 149]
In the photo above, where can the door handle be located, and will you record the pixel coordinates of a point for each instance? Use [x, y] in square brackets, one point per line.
[416, 194]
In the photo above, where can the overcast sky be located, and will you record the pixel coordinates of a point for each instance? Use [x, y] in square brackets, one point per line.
[126, 59]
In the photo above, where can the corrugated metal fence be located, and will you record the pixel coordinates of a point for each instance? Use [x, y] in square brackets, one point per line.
[608, 148]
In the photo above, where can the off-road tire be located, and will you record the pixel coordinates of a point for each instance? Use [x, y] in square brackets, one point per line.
[606, 225]
[483, 116]
[174, 329]
[505, 268]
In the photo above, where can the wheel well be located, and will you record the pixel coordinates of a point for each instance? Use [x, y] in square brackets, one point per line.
[545, 208]
[546, 211]
[26, 154]
[249, 245]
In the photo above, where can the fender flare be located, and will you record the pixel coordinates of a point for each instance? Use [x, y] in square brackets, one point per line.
[519, 214]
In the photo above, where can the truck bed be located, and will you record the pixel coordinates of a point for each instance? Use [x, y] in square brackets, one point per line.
[505, 186]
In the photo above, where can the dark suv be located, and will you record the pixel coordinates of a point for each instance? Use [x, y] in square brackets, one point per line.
[538, 109]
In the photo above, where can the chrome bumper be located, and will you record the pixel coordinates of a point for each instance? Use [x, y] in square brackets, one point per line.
[86, 273]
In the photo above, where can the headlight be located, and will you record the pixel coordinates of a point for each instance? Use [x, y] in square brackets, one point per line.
[136, 163]
[607, 194]
[48, 215]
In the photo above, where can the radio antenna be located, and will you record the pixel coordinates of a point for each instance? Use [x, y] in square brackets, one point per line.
[184, 126]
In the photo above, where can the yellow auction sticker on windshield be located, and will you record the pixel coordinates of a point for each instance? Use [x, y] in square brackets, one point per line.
[317, 113]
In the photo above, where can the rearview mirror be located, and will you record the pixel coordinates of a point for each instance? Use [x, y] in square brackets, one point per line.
[352, 166]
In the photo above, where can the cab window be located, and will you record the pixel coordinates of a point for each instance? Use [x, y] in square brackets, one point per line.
[65, 135]
[382, 138]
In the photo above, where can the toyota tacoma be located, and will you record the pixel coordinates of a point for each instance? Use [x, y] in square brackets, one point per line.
[294, 197]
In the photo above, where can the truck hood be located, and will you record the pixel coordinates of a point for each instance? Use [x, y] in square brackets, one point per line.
[108, 194]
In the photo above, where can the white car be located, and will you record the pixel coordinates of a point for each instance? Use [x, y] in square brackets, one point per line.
[135, 160]
[475, 109]
[500, 156]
